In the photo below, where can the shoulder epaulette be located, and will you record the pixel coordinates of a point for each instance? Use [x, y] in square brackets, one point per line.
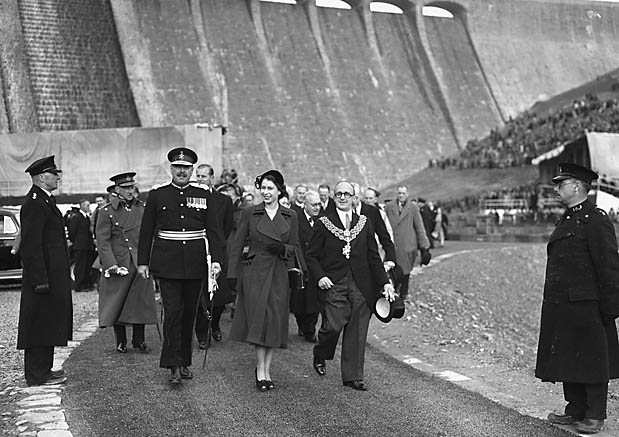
[197, 185]
[601, 211]
[157, 186]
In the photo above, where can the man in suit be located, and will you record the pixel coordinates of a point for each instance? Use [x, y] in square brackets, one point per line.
[409, 235]
[172, 246]
[46, 309]
[343, 256]
[305, 304]
[578, 337]
[327, 203]
[380, 229]
[83, 246]
[428, 216]
[299, 196]
[220, 216]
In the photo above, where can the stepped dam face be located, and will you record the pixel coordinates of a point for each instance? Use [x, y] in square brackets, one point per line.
[319, 93]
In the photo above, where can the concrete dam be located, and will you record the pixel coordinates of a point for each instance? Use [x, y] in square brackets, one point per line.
[319, 93]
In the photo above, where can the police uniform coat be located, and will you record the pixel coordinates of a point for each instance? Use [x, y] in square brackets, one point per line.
[261, 315]
[44, 319]
[173, 208]
[409, 234]
[582, 282]
[126, 299]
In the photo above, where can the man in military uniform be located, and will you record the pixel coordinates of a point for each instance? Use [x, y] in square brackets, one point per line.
[173, 247]
[46, 309]
[578, 338]
[125, 298]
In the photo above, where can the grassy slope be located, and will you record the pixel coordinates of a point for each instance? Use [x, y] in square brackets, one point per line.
[440, 185]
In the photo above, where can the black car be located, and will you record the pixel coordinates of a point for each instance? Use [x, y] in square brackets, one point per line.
[10, 263]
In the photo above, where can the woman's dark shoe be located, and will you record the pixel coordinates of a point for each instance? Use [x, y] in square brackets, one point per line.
[142, 347]
[261, 385]
[122, 348]
[216, 335]
[270, 385]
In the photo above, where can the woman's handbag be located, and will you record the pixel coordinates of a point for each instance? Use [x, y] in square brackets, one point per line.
[296, 278]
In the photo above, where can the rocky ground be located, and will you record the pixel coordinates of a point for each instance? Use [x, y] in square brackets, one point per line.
[475, 312]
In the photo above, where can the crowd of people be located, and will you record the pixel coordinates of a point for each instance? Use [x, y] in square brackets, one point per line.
[529, 135]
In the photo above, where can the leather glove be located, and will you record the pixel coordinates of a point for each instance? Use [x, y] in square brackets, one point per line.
[607, 319]
[41, 289]
[277, 248]
[426, 256]
[232, 283]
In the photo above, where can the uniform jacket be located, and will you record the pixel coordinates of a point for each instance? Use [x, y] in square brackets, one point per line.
[262, 308]
[79, 232]
[373, 213]
[123, 299]
[409, 234]
[325, 257]
[44, 319]
[582, 282]
[172, 208]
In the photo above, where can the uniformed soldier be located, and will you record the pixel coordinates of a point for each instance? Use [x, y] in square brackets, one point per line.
[125, 298]
[46, 309]
[578, 338]
[173, 247]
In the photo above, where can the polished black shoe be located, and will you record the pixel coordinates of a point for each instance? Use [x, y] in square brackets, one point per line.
[589, 426]
[217, 335]
[202, 344]
[311, 338]
[55, 380]
[175, 376]
[320, 366]
[270, 384]
[262, 384]
[356, 385]
[186, 373]
[122, 348]
[300, 333]
[561, 419]
[142, 347]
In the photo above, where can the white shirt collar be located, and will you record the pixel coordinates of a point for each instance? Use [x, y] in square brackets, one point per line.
[49, 193]
[342, 215]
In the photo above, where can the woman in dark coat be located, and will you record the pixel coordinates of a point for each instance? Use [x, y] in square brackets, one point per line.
[261, 316]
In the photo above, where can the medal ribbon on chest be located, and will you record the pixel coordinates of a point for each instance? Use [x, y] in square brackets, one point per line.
[345, 235]
[196, 202]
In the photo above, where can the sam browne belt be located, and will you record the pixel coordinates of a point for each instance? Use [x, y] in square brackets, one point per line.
[182, 235]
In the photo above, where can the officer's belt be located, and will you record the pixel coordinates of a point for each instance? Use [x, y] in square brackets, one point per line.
[182, 235]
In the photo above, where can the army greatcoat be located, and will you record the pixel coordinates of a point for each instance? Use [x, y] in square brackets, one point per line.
[126, 299]
[261, 315]
[45, 319]
[581, 290]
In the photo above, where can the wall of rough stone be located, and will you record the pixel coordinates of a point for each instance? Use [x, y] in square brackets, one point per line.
[75, 68]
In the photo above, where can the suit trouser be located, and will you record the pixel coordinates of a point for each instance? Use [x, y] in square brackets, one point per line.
[38, 362]
[307, 322]
[345, 308]
[83, 265]
[180, 300]
[137, 336]
[404, 286]
[586, 400]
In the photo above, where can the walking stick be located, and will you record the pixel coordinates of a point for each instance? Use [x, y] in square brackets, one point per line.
[208, 313]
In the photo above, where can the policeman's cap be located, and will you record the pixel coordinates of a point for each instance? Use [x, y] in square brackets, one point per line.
[111, 189]
[569, 170]
[43, 165]
[182, 156]
[124, 179]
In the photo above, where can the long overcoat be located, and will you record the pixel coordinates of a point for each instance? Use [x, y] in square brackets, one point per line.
[409, 234]
[123, 299]
[44, 319]
[308, 300]
[582, 282]
[261, 315]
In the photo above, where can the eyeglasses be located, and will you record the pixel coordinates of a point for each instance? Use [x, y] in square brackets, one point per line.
[564, 183]
[343, 194]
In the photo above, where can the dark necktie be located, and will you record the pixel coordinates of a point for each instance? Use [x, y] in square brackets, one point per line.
[311, 221]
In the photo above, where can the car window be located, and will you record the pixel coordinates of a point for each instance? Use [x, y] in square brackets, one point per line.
[7, 225]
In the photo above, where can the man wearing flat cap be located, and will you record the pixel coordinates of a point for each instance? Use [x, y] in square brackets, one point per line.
[46, 309]
[125, 298]
[173, 247]
[578, 338]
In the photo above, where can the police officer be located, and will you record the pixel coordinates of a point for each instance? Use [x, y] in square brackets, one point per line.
[172, 246]
[45, 310]
[578, 338]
